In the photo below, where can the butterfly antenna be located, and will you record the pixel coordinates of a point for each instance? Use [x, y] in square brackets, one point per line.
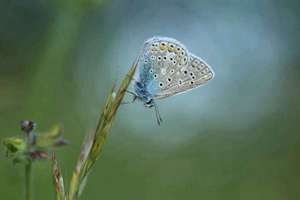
[158, 117]
[133, 99]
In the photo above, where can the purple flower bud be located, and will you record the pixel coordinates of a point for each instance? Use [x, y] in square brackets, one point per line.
[27, 126]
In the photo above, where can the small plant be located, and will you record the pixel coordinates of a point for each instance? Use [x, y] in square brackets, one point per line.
[32, 147]
[40, 146]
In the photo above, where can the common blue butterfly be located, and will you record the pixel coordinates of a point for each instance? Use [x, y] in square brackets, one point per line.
[165, 68]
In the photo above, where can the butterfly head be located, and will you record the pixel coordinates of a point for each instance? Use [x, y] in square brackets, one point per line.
[149, 103]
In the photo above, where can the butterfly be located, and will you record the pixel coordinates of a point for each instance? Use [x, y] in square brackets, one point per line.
[165, 68]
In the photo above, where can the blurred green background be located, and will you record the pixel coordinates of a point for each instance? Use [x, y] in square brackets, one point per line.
[234, 138]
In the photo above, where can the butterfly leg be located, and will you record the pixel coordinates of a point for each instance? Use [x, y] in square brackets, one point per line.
[132, 93]
[157, 114]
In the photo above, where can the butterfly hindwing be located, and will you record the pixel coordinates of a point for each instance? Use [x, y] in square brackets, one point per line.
[195, 74]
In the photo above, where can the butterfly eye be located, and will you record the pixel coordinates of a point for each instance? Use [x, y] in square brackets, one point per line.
[191, 73]
[165, 58]
[174, 62]
[185, 72]
[182, 53]
[193, 77]
[161, 84]
[155, 75]
[152, 57]
[171, 59]
[180, 82]
[158, 57]
[192, 82]
[151, 71]
[172, 71]
[169, 79]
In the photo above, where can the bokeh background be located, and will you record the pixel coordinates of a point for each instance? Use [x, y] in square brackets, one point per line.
[234, 138]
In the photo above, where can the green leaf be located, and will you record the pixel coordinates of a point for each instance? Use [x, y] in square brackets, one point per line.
[14, 144]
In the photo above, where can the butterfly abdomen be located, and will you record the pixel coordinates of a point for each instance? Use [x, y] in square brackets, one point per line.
[142, 91]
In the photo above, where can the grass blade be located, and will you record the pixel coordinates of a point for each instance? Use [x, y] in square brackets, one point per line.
[58, 180]
[93, 145]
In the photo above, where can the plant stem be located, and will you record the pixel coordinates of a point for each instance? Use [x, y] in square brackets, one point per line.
[28, 181]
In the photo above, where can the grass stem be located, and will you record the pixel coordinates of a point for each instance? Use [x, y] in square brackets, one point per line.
[28, 179]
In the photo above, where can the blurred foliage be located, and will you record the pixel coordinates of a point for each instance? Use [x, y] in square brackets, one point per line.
[15, 148]
[33, 146]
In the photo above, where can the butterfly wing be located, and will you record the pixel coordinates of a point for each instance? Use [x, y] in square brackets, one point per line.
[167, 68]
[196, 73]
[156, 60]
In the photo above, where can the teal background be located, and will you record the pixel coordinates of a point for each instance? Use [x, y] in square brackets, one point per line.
[234, 138]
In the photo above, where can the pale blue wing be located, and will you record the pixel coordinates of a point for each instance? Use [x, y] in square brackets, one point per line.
[195, 74]
[167, 68]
